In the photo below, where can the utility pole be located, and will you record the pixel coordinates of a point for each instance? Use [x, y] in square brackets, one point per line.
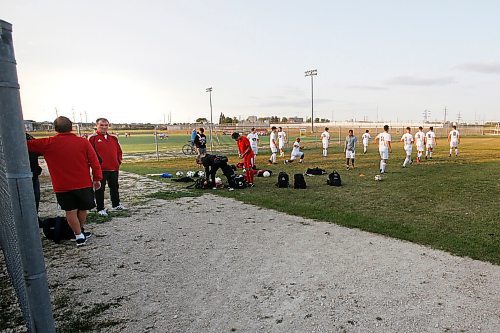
[459, 118]
[209, 90]
[426, 115]
[312, 73]
[445, 111]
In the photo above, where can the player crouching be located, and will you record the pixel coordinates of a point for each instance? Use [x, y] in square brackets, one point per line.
[296, 152]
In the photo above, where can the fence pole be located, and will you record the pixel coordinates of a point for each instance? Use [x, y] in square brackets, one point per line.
[19, 178]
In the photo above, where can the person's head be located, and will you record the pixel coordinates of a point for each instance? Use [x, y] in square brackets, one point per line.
[254, 130]
[298, 139]
[386, 128]
[408, 129]
[202, 130]
[102, 125]
[63, 125]
[280, 129]
[194, 130]
[367, 131]
[431, 128]
[454, 127]
[351, 132]
[273, 128]
[326, 129]
[235, 136]
[420, 128]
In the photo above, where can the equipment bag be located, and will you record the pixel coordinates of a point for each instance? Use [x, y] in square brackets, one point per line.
[334, 179]
[299, 181]
[57, 229]
[283, 180]
[240, 182]
[200, 184]
[315, 172]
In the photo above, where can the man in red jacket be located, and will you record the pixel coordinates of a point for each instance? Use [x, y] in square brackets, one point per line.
[68, 158]
[109, 152]
[246, 153]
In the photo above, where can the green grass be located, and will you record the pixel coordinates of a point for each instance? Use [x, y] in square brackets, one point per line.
[446, 203]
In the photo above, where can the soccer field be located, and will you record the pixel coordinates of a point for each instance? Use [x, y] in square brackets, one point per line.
[446, 203]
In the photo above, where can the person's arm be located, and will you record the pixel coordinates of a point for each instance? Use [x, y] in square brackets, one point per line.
[390, 146]
[95, 165]
[119, 151]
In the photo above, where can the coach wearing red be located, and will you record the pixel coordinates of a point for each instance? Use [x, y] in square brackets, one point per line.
[246, 153]
[109, 153]
[68, 158]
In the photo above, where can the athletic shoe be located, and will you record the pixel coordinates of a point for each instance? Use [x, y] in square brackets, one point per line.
[81, 241]
[103, 212]
[251, 185]
[425, 156]
[285, 162]
[214, 188]
[119, 207]
[301, 161]
[230, 189]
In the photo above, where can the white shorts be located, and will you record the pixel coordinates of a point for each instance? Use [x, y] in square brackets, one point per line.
[453, 144]
[255, 149]
[293, 157]
[350, 154]
[408, 150]
[282, 145]
[384, 153]
[430, 145]
[325, 145]
[420, 147]
[274, 149]
[365, 143]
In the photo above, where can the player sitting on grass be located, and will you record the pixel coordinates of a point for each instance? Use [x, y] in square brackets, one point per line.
[296, 152]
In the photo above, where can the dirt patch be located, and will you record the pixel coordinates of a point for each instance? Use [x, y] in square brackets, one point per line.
[212, 264]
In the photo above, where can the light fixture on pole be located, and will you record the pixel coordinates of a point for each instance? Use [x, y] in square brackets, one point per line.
[312, 73]
[209, 90]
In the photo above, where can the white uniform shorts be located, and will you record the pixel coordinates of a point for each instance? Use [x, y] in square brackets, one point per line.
[408, 149]
[384, 153]
[365, 143]
[255, 149]
[430, 145]
[299, 155]
[274, 150]
[420, 146]
[325, 145]
[282, 144]
[453, 144]
[350, 154]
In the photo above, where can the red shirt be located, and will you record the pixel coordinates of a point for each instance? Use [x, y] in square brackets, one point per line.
[69, 158]
[244, 146]
[108, 150]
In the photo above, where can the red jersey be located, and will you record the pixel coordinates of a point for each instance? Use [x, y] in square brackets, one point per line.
[108, 150]
[69, 158]
[244, 146]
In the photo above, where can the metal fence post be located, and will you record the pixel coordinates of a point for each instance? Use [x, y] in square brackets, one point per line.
[20, 188]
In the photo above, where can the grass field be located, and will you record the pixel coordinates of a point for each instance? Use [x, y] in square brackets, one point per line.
[446, 203]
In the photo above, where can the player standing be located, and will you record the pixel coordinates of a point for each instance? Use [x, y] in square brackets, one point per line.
[325, 139]
[296, 152]
[253, 137]
[384, 147]
[273, 145]
[430, 142]
[407, 140]
[454, 140]
[281, 141]
[420, 142]
[350, 148]
[366, 137]
[246, 153]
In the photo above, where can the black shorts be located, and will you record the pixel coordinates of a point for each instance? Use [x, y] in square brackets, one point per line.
[81, 199]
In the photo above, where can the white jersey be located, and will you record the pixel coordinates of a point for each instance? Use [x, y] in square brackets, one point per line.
[431, 138]
[272, 140]
[407, 139]
[325, 137]
[296, 149]
[366, 137]
[254, 139]
[383, 140]
[419, 138]
[454, 136]
[281, 139]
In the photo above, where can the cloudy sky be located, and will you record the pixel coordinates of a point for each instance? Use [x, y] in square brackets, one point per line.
[142, 61]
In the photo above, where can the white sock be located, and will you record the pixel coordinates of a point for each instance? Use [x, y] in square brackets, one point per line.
[456, 151]
[381, 165]
[273, 157]
[80, 236]
[430, 154]
[451, 150]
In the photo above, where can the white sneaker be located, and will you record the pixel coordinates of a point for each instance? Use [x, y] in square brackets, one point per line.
[103, 212]
[119, 207]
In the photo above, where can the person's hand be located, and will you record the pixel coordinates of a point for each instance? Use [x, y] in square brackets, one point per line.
[97, 185]
[240, 156]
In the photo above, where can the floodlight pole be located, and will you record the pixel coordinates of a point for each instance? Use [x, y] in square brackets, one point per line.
[209, 90]
[312, 73]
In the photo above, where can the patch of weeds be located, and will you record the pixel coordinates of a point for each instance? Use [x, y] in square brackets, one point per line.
[10, 312]
[120, 213]
[172, 195]
[93, 217]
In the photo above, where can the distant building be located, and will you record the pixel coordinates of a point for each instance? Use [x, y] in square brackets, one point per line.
[295, 120]
[29, 125]
[252, 119]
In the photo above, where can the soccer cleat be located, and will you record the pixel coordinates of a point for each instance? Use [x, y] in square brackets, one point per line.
[251, 185]
[214, 188]
[285, 162]
[81, 241]
[103, 212]
[119, 207]
[230, 189]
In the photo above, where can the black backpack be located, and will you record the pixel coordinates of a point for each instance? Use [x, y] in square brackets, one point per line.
[315, 172]
[334, 179]
[283, 180]
[56, 229]
[200, 184]
[299, 181]
[240, 182]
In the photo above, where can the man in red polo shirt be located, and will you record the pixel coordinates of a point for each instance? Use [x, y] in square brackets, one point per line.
[246, 153]
[68, 158]
[109, 152]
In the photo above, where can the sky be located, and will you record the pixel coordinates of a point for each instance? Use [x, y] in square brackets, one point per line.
[152, 61]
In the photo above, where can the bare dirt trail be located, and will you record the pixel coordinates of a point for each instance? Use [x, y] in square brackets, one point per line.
[212, 264]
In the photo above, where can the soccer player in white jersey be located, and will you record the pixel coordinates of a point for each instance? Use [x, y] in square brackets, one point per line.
[350, 148]
[430, 142]
[407, 140]
[384, 147]
[296, 152]
[253, 137]
[420, 143]
[366, 137]
[325, 139]
[454, 140]
[273, 144]
[281, 141]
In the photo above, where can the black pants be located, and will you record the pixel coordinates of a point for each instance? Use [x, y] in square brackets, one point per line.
[110, 177]
[36, 191]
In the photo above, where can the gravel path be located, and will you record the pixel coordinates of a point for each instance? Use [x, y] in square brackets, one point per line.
[212, 264]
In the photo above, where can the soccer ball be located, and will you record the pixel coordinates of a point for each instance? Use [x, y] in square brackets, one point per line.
[201, 173]
[190, 173]
[179, 173]
[266, 174]
[378, 177]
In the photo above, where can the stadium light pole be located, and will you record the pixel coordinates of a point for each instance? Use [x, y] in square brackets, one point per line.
[312, 73]
[209, 90]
